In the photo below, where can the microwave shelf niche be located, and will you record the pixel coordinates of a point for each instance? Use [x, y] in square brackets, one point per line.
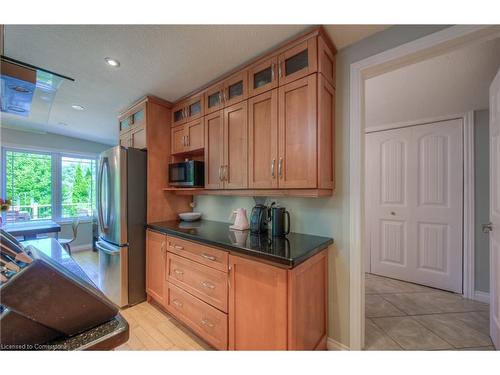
[187, 174]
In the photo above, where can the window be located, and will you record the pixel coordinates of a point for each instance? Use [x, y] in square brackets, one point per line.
[29, 185]
[45, 185]
[77, 187]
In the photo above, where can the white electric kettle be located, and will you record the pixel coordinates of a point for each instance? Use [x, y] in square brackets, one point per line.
[240, 219]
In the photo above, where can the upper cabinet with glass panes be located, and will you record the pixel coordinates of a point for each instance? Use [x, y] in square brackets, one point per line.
[232, 90]
[188, 110]
[133, 118]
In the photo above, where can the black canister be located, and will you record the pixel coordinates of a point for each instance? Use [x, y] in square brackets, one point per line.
[278, 221]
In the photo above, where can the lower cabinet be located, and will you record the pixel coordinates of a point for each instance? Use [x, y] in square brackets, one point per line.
[257, 306]
[237, 303]
[156, 257]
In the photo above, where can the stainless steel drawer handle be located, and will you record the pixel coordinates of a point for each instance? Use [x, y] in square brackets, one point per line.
[207, 323]
[177, 303]
[209, 257]
[208, 285]
[178, 272]
[178, 247]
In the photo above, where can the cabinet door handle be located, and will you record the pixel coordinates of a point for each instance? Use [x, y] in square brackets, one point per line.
[178, 272]
[187, 140]
[226, 173]
[229, 268]
[208, 285]
[207, 323]
[208, 256]
[280, 167]
[272, 72]
[272, 168]
[220, 173]
[177, 303]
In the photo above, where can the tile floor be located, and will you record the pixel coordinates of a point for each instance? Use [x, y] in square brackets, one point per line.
[399, 316]
[406, 316]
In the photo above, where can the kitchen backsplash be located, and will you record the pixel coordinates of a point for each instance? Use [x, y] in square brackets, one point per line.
[308, 215]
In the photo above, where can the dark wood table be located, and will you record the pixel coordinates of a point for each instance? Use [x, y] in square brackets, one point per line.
[30, 229]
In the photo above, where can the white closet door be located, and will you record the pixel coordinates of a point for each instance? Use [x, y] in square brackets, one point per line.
[415, 181]
[495, 211]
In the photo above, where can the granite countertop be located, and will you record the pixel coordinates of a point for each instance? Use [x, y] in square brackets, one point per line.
[285, 252]
[105, 336]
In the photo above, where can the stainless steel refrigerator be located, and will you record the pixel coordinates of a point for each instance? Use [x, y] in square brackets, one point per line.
[121, 212]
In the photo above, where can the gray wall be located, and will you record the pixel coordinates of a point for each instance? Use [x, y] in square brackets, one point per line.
[55, 142]
[482, 198]
[330, 216]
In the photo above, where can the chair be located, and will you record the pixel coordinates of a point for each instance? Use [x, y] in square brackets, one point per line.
[66, 241]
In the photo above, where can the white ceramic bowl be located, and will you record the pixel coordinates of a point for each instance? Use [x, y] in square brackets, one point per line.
[190, 216]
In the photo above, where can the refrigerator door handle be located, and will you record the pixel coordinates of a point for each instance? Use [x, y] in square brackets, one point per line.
[105, 249]
[103, 217]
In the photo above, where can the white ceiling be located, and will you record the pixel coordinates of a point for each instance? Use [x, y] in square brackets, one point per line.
[166, 61]
[449, 84]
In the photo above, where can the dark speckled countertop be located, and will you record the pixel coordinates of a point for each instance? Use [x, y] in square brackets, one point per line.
[286, 252]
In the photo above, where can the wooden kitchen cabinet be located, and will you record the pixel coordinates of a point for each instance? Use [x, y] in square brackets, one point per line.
[230, 91]
[298, 152]
[271, 308]
[234, 170]
[188, 110]
[257, 305]
[298, 61]
[226, 155]
[156, 257]
[132, 126]
[263, 141]
[326, 133]
[188, 137]
[262, 76]
[214, 150]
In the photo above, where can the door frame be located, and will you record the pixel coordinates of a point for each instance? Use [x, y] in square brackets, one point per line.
[468, 219]
[435, 44]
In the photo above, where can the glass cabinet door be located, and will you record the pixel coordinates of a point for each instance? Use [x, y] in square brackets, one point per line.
[262, 76]
[235, 88]
[214, 99]
[194, 108]
[298, 61]
[125, 123]
[179, 114]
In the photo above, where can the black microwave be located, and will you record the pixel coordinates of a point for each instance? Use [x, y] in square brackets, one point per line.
[190, 173]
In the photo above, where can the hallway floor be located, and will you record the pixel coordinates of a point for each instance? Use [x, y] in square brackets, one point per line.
[406, 316]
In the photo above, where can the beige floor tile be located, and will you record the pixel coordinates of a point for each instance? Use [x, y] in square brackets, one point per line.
[433, 303]
[454, 330]
[377, 306]
[382, 285]
[410, 334]
[478, 320]
[376, 339]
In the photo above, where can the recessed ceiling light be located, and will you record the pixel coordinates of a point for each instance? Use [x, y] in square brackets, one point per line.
[114, 63]
[77, 107]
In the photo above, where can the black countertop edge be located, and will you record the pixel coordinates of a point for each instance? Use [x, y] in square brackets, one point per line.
[278, 261]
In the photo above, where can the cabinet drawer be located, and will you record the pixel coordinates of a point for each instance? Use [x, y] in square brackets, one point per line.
[206, 321]
[199, 253]
[206, 283]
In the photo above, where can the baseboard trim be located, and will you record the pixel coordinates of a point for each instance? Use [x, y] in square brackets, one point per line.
[332, 344]
[481, 296]
[75, 249]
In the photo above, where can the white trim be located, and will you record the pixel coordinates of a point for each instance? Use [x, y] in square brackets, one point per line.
[332, 344]
[481, 296]
[469, 206]
[64, 152]
[432, 45]
[405, 124]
